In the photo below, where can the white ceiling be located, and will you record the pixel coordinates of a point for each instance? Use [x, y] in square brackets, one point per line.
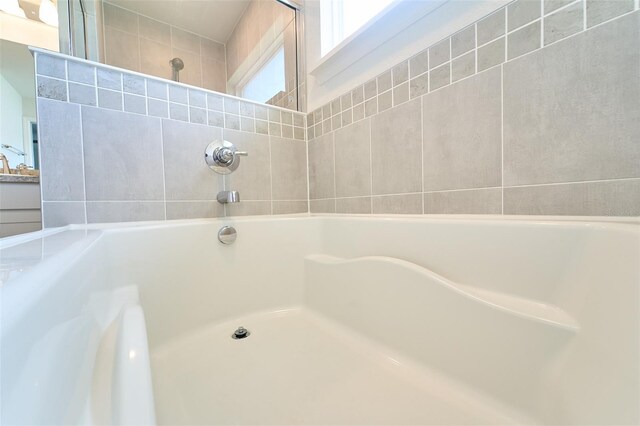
[213, 19]
[16, 66]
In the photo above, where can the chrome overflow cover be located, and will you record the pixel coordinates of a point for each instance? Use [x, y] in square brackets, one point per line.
[240, 333]
[227, 235]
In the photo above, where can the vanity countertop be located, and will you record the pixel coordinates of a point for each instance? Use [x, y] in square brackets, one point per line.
[19, 178]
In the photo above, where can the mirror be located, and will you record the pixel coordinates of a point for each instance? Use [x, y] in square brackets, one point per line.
[18, 135]
[245, 48]
[22, 23]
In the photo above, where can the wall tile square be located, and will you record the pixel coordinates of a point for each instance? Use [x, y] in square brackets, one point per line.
[462, 134]
[262, 127]
[371, 107]
[51, 66]
[81, 73]
[347, 117]
[521, 12]
[110, 99]
[109, 79]
[358, 112]
[178, 94]
[419, 64]
[249, 208]
[439, 53]
[322, 206]
[178, 112]
[463, 41]
[289, 174]
[385, 100]
[551, 5]
[491, 54]
[157, 108]
[133, 84]
[321, 167]
[274, 115]
[52, 88]
[275, 129]
[398, 129]
[440, 77]
[289, 207]
[134, 103]
[156, 89]
[345, 100]
[419, 86]
[197, 98]
[82, 94]
[357, 95]
[384, 82]
[62, 213]
[542, 143]
[491, 27]
[198, 115]
[124, 211]
[248, 124]
[359, 205]
[608, 198]
[599, 11]
[246, 109]
[563, 23]
[464, 66]
[352, 162]
[397, 204]
[214, 102]
[400, 73]
[370, 89]
[524, 40]
[121, 148]
[60, 145]
[193, 209]
[233, 122]
[473, 201]
[401, 93]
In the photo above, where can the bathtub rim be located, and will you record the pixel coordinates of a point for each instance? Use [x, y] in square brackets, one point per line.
[625, 222]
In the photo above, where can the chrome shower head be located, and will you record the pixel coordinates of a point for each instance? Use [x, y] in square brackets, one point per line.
[177, 64]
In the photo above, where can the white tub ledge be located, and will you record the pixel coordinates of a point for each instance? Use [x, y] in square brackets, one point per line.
[417, 282]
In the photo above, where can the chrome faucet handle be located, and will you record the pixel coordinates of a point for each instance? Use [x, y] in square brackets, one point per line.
[222, 157]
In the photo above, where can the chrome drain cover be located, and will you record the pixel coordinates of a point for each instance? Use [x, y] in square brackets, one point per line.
[240, 333]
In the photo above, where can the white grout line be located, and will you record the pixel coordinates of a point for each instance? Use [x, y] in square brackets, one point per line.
[271, 172]
[502, 138]
[422, 153]
[164, 179]
[84, 176]
[541, 31]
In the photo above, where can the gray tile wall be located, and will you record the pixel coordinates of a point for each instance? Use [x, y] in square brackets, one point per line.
[535, 109]
[138, 43]
[138, 152]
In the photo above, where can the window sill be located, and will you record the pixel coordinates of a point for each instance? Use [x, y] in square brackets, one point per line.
[391, 21]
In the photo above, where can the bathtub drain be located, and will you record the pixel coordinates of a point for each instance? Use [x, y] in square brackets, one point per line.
[240, 333]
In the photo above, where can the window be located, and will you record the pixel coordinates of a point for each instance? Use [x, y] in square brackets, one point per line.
[268, 81]
[342, 18]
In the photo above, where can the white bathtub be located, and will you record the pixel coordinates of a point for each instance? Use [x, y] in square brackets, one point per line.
[353, 320]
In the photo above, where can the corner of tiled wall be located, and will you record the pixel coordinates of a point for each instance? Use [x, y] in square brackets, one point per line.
[534, 109]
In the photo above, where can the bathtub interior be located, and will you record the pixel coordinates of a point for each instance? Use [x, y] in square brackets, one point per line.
[526, 322]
